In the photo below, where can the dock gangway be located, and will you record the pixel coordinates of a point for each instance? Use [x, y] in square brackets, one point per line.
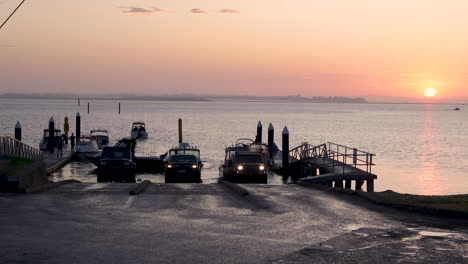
[330, 163]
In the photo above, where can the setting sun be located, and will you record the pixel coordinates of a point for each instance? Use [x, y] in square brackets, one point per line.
[429, 92]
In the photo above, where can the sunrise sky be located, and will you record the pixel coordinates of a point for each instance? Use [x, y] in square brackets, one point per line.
[251, 47]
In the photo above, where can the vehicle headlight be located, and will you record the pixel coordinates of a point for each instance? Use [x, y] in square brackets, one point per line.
[261, 167]
[240, 167]
[169, 166]
[126, 163]
[103, 163]
[194, 166]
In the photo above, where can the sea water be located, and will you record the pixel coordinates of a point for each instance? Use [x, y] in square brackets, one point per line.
[420, 148]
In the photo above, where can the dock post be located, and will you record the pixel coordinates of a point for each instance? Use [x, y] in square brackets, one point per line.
[271, 139]
[258, 138]
[51, 140]
[119, 108]
[348, 184]
[66, 128]
[285, 149]
[359, 185]
[180, 130]
[88, 108]
[18, 131]
[78, 127]
[338, 184]
[370, 185]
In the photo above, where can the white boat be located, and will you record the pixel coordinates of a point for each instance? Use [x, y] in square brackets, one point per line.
[102, 137]
[87, 144]
[139, 130]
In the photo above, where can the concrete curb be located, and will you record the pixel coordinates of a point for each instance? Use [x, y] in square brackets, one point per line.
[47, 186]
[234, 187]
[407, 207]
[139, 188]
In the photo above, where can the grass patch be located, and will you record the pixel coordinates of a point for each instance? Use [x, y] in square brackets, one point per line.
[12, 165]
[447, 202]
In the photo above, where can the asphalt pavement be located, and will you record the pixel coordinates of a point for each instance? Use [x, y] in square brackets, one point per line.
[211, 223]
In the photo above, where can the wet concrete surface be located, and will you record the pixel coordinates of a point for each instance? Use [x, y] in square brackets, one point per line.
[209, 223]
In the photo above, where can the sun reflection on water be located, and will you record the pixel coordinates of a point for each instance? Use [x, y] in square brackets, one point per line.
[428, 182]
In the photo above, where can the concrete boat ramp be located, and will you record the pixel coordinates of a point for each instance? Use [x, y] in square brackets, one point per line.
[215, 223]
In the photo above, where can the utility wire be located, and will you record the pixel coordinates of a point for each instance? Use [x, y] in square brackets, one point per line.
[12, 13]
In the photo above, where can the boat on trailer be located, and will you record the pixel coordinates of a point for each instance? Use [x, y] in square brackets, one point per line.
[183, 164]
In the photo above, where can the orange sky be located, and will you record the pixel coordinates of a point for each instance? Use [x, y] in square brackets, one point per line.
[313, 48]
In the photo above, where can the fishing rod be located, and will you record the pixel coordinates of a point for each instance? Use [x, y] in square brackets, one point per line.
[12, 13]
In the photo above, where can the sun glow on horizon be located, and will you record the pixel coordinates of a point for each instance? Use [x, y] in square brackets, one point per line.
[429, 92]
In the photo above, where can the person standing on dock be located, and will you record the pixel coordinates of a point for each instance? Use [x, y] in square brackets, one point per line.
[59, 146]
[72, 142]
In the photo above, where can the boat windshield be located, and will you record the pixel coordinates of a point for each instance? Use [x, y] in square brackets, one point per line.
[115, 153]
[250, 158]
[183, 158]
[86, 140]
[192, 152]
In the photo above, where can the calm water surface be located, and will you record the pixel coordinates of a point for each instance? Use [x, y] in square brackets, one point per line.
[420, 149]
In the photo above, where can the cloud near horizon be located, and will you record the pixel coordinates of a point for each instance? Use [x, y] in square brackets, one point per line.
[229, 11]
[198, 11]
[141, 10]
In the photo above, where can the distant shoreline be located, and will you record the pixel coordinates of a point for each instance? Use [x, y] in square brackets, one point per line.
[192, 98]
[217, 98]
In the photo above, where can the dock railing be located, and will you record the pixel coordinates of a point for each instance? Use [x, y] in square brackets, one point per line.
[333, 156]
[15, 148]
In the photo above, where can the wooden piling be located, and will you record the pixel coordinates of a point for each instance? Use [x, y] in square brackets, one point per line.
[88, 108]
[18, 131]
[78, 127]
[119, 108]
[370, 185]
[51, 140]
[271, 140]
[348, 184]
[258, 138]
[180, 130]
[285, 149]
[359, 185]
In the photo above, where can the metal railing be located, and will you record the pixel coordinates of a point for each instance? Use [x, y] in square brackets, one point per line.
[12, 147]
[331, 155]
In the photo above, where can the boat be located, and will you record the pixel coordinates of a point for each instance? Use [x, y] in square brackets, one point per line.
[139, 130]
[183, 164]
[45, 139]
[456, 109]
[102, 137]
[87, 144]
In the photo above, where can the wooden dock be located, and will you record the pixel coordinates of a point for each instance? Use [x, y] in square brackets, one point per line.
[53, 163]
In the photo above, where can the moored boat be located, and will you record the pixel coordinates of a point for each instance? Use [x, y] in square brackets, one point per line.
[139, 130]
[102, 137]
[87, 144]
[45, 139]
